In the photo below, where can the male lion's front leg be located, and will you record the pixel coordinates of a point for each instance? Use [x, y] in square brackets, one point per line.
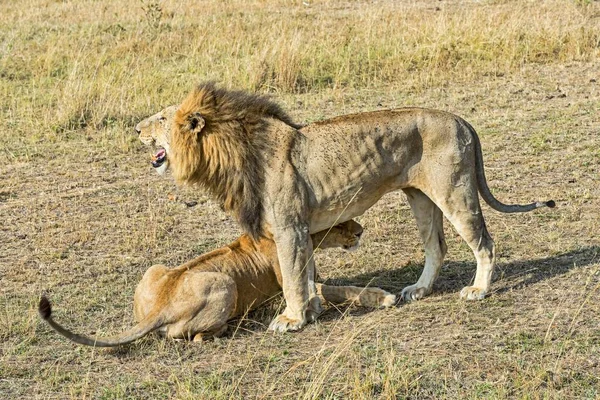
[294, 249]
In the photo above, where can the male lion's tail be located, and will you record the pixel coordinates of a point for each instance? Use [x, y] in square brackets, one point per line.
[147, 325]
[484, 189]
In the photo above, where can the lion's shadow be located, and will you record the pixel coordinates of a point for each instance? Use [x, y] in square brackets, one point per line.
[457, 274]
[513, 275]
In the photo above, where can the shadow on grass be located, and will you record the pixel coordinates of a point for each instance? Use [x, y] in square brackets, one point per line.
[453, 277]
[456, 275]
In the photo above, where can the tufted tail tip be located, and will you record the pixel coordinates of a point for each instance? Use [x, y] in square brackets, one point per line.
[542, 204]
[44, 308]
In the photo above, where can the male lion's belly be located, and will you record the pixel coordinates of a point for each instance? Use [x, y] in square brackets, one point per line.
[347, 206]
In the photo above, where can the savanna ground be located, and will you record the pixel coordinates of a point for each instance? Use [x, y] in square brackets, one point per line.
[83, 214]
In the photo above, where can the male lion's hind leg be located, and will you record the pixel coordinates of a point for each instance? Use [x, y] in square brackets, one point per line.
[430, 223]
[462, 209]
[483, 247]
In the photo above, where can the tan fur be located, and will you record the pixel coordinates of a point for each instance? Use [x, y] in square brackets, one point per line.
[195, 300]
[299, 181]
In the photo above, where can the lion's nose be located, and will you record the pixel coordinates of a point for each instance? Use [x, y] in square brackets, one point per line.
[137, 129]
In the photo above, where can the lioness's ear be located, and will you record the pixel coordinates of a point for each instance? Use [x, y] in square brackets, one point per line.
[196, 122]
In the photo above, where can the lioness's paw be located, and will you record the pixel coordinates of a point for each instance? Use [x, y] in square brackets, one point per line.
[201, 337]
[282, 323]
[472, 293]
[412, 293]
[388, 300]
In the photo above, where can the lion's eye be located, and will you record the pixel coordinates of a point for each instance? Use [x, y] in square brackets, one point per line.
[161, 119]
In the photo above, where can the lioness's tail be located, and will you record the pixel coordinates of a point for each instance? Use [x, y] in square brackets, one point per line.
[361, 296]
[484, 189]
[147, 325]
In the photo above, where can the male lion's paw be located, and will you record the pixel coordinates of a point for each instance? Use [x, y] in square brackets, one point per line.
[412, 293]
[282, 323]
[472, 293]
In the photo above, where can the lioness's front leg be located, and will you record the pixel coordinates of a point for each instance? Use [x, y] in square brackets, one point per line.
[294, 249]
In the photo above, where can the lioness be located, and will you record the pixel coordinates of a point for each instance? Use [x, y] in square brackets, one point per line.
[196, 299]
[274, 175]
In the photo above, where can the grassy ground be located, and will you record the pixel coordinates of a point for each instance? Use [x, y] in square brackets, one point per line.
[84, 215]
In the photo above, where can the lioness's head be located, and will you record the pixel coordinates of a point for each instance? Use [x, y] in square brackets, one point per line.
[155, 131]
[345, 235]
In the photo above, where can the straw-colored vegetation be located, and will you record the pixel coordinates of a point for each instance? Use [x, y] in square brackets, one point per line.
[84, 216]
[68, 65]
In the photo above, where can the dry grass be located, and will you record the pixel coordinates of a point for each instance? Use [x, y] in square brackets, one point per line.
[72, 65]
[84, 216]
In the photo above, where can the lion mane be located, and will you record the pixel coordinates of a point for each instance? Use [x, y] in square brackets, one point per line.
[218, 141]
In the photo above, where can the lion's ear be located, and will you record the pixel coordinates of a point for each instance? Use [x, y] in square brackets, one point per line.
[196, 122]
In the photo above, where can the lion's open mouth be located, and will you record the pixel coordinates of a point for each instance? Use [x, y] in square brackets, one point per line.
[159, 158]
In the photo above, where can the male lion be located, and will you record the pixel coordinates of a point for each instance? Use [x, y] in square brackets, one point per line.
[195, 300]
[276, 176]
